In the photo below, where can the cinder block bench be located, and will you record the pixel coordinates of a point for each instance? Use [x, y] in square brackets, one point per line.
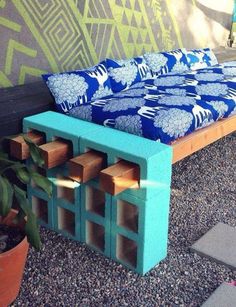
[111, 189]
[130, 227]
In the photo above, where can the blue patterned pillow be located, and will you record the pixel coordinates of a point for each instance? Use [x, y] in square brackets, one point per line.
[201, 58]
[164, 62]
[124, 73]
[74, 88]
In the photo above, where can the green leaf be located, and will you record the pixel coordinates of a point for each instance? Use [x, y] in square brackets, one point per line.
[13, 166]
[31, 227]
[20, 216]
[3, 155]
[6, 196]
[4, 162]
[34, 151]
[42, 182]
[23, 175]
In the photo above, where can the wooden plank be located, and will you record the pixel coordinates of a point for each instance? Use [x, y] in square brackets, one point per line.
[119, 177]
[20, 101]
[19, 149]
[56, 153]
[86, 166]
[22, 91]
[201, 138]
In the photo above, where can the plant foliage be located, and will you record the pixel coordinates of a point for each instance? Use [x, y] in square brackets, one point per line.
[10, 192]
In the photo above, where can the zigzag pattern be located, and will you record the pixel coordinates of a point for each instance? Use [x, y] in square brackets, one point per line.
[16, 53]
[57, 25]
[73, 34]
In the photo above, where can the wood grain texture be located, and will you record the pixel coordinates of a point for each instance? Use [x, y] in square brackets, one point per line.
[19, 149]
[20, 101]
[201, 138]
[86, 166]
[119, 177]
[56, 153]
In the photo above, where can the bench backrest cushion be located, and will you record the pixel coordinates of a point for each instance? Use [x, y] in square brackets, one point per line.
[124, 73]
[201, 58]
[165, 62]
[74, 88]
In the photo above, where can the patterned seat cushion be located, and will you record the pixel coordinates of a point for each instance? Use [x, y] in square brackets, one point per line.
[168, 107]
[74, 88]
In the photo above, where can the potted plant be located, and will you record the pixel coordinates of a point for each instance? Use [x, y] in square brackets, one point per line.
[18, 227]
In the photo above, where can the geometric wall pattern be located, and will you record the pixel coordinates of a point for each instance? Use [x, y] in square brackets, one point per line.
[39, 36]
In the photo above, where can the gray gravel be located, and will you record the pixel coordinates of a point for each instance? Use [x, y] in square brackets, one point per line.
[67, 273]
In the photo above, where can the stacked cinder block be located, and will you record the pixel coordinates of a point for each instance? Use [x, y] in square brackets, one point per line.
[126, 220]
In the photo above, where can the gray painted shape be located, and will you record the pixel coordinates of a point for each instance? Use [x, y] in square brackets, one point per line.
[218, 243]
[223, 296]
[137, 6]
[125, 19]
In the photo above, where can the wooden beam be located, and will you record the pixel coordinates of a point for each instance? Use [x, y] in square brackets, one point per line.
[199, 139]
[19, 149]
[56, 153]
[86, 166]
[119, 177]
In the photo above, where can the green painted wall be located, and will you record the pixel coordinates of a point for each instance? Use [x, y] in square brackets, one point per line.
[38, 36]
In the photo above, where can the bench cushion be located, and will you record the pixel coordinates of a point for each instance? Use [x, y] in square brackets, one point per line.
[168, 107]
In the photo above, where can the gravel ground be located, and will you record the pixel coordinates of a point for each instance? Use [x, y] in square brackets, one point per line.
[66, 273]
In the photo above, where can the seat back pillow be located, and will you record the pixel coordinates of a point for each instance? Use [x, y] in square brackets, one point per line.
[201, 58]
[164, 62]
[74, 88]
[124, 73]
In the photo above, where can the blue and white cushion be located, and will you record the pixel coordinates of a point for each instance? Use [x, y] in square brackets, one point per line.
[124, 73]
[168, 107]
[201, 58]
[74, 88]
[164, 62]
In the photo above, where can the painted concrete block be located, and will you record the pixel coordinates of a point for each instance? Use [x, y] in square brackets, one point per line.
[95, 217]
[55, 125]
[42, 206]
[66, 207]
[131, 228]
[139, 230]
[223, 296]
[153, 158]
[219, 244]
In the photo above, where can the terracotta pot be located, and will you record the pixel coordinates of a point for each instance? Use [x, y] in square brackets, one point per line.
[12, 264]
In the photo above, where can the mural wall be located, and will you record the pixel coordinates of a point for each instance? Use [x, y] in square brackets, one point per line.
[38, 36]
[234, 25]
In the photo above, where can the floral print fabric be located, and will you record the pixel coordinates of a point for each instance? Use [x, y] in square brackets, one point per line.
[74, 88]
[168, 107]
[124, 73]
[201, 58]
[164, 62]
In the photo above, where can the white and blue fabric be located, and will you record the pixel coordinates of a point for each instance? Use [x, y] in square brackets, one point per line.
[165, 62]
[201, 58]
[168, 107]
[74, 88]
[124, 73]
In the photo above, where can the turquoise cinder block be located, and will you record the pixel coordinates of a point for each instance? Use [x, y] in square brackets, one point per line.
[131, 228]
[42, 206]
[95, 217]
[154, 159]
[66, 208]
[139, 230]
[54, 124]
